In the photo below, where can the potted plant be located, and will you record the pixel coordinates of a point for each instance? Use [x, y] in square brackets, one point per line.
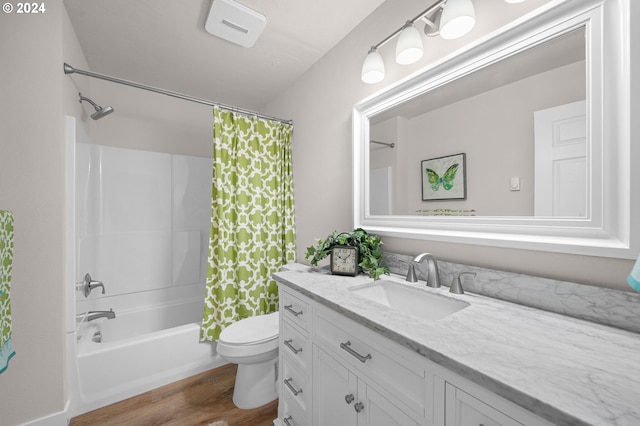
[368, 245]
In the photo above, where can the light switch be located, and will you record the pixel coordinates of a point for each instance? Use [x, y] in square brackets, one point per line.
[514, 185]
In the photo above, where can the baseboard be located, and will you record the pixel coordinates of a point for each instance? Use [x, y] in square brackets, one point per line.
[56, 419]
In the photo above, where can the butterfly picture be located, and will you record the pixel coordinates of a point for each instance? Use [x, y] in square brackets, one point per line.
[444, 178]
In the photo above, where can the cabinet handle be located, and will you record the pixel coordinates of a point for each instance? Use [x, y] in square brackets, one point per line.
[291, 388]
[288, 344]
[290, 309]
[346, 347]
[349, 398]
[358, 407]
[286, 420]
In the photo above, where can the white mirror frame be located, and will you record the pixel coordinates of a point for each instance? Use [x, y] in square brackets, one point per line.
[608, 229]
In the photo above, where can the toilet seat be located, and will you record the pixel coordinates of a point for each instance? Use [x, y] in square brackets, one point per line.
[252, 330]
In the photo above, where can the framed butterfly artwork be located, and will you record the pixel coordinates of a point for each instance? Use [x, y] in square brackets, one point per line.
[444, 178]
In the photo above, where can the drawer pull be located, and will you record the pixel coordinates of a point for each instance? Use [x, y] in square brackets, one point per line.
[288, 344]
[346, 347]
[349, 398]
[291, 388]
[286, 421]
[358, 407]
[290, 309]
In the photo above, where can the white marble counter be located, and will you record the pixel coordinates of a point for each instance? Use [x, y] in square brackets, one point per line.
[567, 371]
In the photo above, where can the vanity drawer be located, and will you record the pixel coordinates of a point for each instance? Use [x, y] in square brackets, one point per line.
[292, 413]
[295, 385]
[295, 345]
[401, 374]
[295, 310]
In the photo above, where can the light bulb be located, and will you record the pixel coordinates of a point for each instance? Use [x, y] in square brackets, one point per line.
[409, 47]
[373, 67]
[458, 18]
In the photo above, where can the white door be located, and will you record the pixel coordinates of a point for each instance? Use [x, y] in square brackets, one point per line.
[561, 161]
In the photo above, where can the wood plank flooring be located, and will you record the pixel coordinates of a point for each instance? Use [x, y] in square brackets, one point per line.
[195, 401]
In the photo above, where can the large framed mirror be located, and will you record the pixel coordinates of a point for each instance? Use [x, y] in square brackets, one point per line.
[520, 140]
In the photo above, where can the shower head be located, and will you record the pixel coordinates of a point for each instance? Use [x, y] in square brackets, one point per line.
[100, 111]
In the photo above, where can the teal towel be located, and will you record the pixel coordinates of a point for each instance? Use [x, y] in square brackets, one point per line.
[6, 266]
[634, 276]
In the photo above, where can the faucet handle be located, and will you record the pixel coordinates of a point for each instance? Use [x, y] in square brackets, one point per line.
[89, 284]
[411, 274]
[456, 283]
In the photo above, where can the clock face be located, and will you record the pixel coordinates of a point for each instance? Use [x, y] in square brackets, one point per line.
[344, 260]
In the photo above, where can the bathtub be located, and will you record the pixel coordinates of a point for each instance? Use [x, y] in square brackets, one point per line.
[139, 351]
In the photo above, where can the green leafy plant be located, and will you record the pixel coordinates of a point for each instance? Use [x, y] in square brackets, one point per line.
[369, 251]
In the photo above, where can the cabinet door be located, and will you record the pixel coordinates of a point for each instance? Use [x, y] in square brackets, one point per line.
[378, 411]
[334, 391]
[463, 409]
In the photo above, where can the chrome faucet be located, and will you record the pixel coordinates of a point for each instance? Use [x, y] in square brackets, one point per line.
[433, 279]
[92, 315]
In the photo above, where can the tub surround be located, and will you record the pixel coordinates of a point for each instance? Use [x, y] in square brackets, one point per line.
[565, 370]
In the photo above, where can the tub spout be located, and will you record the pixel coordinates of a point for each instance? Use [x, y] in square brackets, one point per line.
[92, 315]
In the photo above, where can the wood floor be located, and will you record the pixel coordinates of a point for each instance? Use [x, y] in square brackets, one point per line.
[194, 401]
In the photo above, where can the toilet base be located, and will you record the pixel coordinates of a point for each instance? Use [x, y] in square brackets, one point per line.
[255, 384]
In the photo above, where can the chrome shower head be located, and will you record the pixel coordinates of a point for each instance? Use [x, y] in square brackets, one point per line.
[100, 111]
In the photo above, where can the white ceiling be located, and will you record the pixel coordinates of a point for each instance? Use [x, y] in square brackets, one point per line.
[163, 43]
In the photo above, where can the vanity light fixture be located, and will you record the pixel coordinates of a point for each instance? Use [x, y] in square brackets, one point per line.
[409, 46]
[450, 19]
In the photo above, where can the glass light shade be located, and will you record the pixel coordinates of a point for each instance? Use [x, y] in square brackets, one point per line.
[373, 67]
[458, 18]
[409, 47]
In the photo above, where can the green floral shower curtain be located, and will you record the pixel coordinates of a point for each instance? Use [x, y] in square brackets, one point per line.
[252, 218]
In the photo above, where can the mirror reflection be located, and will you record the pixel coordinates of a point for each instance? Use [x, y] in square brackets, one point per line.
[507, 140]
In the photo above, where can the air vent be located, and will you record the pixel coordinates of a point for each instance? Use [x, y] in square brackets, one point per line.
[234, 22]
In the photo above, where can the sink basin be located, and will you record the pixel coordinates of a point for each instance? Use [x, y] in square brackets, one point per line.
[412, 301]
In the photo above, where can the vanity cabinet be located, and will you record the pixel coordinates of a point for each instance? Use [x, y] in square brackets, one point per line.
[335, 371]
[294, 372]
[467, 404]
[463, 409]
[340, 397]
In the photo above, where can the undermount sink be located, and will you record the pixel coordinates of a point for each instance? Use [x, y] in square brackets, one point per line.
[413, 301]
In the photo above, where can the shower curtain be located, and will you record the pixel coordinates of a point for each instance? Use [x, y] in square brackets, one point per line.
[252, 218]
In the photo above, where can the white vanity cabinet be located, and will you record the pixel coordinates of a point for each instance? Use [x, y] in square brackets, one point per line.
[361, 378]
[294, 371]
[334, 371]
[467, 404]
[340, 397]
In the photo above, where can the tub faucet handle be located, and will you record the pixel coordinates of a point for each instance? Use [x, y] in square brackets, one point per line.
[89, 284]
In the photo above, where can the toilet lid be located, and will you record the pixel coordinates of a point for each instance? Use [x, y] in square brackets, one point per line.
[252, 330]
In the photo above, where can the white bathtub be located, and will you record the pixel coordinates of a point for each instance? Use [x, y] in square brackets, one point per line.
[140, 351]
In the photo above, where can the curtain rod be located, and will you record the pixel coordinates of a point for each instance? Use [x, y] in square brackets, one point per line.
[389, 144]
[68, 69]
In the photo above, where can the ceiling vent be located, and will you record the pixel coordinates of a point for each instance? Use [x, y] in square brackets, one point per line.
[234, 22]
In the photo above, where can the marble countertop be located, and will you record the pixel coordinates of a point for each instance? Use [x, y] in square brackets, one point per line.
[565, 370]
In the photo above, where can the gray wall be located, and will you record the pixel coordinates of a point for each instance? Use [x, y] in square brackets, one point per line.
[32, 186]
[320, 104]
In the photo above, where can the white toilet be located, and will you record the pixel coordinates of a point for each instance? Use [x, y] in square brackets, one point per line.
[252, 343]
